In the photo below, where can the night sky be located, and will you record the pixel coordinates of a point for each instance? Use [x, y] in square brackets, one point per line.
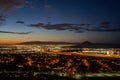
[60, 20]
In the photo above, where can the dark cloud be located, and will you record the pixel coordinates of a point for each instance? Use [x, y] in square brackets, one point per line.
[104, 30]
[77, 28]
[10, 32]
[6, 6]
[15, 32]
[2, 19]
[20, 22]
[38, 25]
[9, 4]
[63, 26]
[105, 24]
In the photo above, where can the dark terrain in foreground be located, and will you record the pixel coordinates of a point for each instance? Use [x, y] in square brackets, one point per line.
[57, 67]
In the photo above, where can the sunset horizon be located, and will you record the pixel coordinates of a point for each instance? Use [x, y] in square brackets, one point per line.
[59, 39]
[59, 20]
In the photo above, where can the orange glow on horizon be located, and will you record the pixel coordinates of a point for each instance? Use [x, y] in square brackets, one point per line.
[9, 42]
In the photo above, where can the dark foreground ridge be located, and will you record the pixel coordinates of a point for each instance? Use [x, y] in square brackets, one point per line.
[57, 67]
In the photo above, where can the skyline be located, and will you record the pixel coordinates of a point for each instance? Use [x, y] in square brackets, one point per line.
[60, 20]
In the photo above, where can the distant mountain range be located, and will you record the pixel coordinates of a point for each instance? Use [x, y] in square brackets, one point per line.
[85, 44]
[44, 43]
[88, 44]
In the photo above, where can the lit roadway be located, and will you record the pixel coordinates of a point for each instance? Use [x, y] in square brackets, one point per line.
[113, 57]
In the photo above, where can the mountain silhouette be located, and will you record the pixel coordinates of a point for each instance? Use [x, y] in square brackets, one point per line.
[43, 43]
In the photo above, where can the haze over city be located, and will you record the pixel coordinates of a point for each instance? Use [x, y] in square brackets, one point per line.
[59, 20]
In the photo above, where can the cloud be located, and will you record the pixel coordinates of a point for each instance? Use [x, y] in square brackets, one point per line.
[6, 6]
[15, 32]
[105, 24]
[2, 19]
[104, 30]
[9, 4]
[38, 25]
[20, 22]
[63, 26]
[77, 28]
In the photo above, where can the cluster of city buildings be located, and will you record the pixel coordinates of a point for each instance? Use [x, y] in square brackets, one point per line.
[88, 49]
